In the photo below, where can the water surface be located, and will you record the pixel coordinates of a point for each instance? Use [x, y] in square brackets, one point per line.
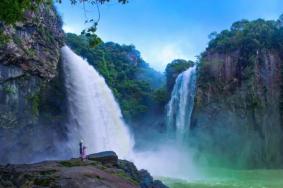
[223, 178]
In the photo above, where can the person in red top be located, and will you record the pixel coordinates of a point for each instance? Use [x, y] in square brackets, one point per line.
[84, 153]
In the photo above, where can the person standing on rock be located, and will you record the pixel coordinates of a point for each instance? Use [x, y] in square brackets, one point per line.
[81, 149]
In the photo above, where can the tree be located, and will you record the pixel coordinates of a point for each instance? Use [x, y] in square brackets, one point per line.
[240, 25]
[212, 35]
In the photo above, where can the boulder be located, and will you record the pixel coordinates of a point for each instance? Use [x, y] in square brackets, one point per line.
[106, 157]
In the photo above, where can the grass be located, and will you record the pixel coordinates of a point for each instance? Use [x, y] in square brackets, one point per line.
[43, 181]
[126, 177]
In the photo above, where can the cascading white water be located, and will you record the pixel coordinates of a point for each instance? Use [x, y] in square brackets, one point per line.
[94, 115]
[181, 104]
[172, 157]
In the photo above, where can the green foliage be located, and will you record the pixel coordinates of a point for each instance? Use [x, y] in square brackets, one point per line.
[132, 81]
[3, 38]
[246, 35]
[245, 40]
[93, 39]
[43, 181]
[13, 10]
[173, 69]
[9, 90]
[72, 163]
[161, 97]
[35, 103]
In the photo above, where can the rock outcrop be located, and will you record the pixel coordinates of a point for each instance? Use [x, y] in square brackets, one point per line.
[31, 97]
[76, 174]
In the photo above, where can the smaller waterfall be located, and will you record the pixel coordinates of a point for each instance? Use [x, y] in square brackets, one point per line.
[94, 114]
[172, 157]
[181, 104]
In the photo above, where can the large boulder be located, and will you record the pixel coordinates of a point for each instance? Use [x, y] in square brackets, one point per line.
[106, 157]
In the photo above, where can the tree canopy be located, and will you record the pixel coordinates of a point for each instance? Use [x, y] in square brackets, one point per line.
[247, 35]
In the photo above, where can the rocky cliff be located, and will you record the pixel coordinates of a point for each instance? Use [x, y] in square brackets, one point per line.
[100, 170]
[31, 95]
[237, 119]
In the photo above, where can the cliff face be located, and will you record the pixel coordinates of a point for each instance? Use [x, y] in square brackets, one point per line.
[236, 120]
[31, 98]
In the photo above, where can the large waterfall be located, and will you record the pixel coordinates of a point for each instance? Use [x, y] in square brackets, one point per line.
[181, 104]
[94, 115]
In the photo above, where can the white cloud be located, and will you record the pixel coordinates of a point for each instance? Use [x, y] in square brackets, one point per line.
[160, 54]
[71, 29]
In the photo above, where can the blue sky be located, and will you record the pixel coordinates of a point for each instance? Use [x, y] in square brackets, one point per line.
[163, 30]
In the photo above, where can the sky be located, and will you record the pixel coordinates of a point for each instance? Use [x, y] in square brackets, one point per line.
[164, 30]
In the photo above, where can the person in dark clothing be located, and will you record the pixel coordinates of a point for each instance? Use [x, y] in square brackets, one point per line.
[81, 149]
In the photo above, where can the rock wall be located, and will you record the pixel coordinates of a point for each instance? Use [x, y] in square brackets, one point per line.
[32, 103]
[237, 118]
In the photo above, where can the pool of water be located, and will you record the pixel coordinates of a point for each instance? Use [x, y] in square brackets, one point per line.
[223, 178]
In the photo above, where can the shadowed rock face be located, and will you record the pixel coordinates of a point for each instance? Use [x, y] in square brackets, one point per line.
[32, 106]
[236, 120]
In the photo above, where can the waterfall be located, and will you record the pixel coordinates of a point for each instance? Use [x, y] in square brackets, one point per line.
[180, 106]
[171, 157]
[94, 115]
